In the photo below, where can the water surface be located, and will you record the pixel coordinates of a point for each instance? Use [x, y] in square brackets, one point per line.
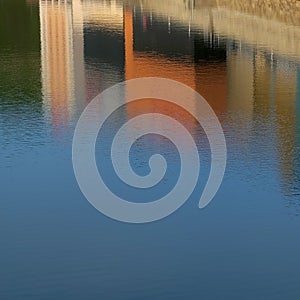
[56, 57]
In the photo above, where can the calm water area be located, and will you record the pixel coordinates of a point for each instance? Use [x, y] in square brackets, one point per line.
[56, 56]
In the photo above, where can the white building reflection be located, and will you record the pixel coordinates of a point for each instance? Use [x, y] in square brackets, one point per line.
[62, 57]
[68, 79]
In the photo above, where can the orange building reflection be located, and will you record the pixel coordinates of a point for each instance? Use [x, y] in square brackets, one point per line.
[208, 80]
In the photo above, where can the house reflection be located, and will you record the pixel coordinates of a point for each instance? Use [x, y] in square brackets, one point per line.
[210, 46]
[61, 27]
[153, 48]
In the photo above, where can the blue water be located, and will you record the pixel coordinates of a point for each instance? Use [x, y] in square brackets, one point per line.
[56, 245]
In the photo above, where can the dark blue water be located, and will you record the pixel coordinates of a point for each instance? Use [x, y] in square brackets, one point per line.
[55, 57]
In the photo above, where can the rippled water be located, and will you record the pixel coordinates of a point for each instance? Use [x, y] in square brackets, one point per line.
[56, 56]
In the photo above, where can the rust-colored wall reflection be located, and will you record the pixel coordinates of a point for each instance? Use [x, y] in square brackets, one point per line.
[208, 79]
